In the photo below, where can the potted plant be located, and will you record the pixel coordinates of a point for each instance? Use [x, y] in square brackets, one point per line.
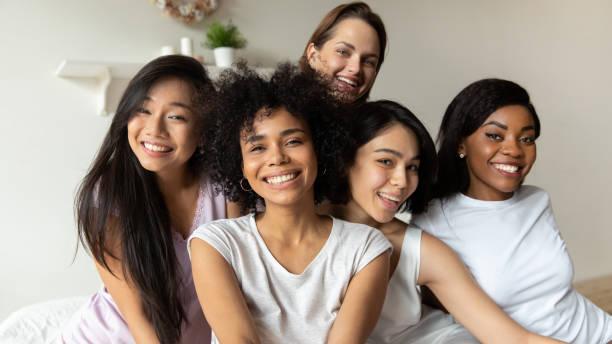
[223, 39]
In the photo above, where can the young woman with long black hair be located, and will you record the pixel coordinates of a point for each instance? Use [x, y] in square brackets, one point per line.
[145, 192]
[505, 231]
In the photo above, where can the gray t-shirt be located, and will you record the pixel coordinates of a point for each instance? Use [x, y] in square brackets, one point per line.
[285, 307]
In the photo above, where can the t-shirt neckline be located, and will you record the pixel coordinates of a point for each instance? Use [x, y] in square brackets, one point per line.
[270, 257]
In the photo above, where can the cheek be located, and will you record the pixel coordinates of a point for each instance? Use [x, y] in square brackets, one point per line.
[365, 181]
[331, 63]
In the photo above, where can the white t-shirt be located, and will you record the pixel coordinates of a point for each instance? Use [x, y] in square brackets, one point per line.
[403, 319]
[516, 253]
[285, 307]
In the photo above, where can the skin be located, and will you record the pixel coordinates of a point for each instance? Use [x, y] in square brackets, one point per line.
[349, 58]
[441, 270]
[165, 120]
[280, 144]
[506, 139]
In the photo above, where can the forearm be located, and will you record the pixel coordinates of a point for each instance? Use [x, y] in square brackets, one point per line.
[128, 302]
[362, 304]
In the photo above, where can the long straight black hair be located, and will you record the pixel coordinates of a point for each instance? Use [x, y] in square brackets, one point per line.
[118, 187]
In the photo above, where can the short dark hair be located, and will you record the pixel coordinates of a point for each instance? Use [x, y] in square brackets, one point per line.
[242, 94]
[325, 30]
[367, 120]
[468, 110]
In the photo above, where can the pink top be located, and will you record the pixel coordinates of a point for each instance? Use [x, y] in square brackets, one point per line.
[99, 321]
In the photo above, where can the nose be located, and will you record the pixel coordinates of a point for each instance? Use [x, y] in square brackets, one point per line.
[398, 177]
[278, 156]
[354, 64]
[156, 125]
[512, 148]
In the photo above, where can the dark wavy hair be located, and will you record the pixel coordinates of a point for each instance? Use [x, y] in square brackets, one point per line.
[242, 94]
[118, 186]
[365, 121]
[465, 114]
[324, 31]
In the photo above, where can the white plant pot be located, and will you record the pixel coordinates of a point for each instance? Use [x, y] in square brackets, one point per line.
[224, 56]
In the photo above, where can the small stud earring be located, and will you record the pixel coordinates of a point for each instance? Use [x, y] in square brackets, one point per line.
[461, 155]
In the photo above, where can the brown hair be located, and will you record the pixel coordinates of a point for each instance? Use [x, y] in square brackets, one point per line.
[324, 31]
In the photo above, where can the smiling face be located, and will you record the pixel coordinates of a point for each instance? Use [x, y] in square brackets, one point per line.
[384, 174]
[349, 58]
[162, 131]
[500, 153]
[278, 159]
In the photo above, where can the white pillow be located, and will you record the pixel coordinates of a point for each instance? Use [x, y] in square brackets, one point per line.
[39, 323]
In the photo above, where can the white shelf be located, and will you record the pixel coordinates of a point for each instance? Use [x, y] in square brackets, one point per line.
[104, 72]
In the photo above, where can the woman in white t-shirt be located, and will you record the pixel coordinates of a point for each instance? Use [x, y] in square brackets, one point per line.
[505, 232]
[283, 274]
[391, 166]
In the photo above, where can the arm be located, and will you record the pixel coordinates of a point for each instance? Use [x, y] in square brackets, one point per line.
[126, 295]
[446, 275]
[362, 303]
[220, 297]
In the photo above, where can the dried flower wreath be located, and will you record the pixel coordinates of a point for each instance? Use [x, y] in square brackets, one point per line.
[187, 11]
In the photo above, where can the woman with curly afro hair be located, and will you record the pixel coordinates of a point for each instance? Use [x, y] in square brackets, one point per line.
[284, 274]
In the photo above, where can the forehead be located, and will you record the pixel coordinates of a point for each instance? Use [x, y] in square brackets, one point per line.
[397, 137]
[356, 32]
[172, 88]
[271, 121]
[511, 116]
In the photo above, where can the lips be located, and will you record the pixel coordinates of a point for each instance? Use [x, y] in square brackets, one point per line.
[390, 201]
[281, 178]
[507, 168]
[156, 147]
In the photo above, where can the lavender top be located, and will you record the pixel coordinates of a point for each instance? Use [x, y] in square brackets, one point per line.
[100, 321]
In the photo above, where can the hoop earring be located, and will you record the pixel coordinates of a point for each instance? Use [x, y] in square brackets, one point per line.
[461, 155]
[242, 186]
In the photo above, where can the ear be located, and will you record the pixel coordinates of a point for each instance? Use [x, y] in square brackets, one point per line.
[461, 149]
[312, 54]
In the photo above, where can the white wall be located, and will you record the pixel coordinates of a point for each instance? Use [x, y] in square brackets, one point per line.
[560, 50]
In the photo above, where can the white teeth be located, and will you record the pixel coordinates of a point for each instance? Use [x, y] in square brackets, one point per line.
[156, 148]
[389, 197]
[281, 179]
[506, 168]
[348, 81]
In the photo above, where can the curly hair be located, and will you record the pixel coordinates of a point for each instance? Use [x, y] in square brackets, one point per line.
[242, 94]
[467, 111]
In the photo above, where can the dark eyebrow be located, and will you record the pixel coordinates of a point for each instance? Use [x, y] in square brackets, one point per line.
[396, 153]
[497, 124]
[286, 132]
[349, 45]
[529, 127]
[505, 127]
[291, 131]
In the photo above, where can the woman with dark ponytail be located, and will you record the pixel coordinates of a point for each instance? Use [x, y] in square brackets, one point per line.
[144, 194]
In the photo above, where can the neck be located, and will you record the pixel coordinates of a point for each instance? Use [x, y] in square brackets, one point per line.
[171, 183]
[290, 223]
[352, 212]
